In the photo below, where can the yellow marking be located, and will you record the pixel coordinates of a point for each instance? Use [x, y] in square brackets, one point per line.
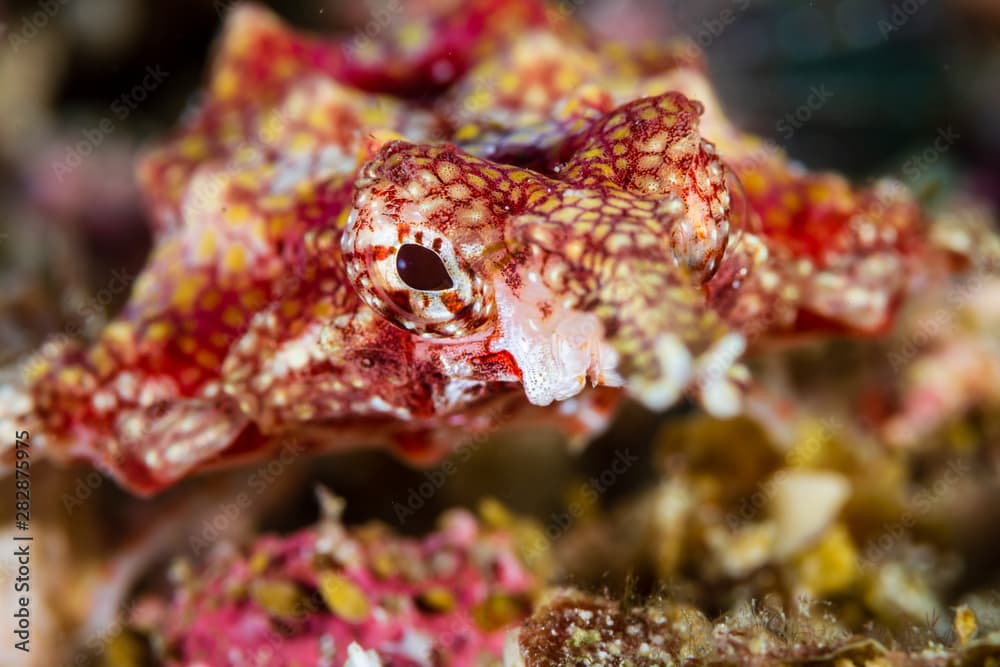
[447, 172]
[574, 250]
[776, 217]
[186, 291]
[219, 339]
[71, 376]
[617, 242]
[193, 147]
[225, 84]
[271, 127]
[284, 68]
[233, 317]
[467, 132]
[648, 113]
[535, 196]
[566, 78]
[509, 83]
[319, 119]
[818, 193]
[119, 332]
[413, 36]
[668, 105]
[564, 214]
[159, 331]
[206, 359]
[102, 361]
[279, 225]
[547, 206]
[323, 309]
[604, 169]
[253, 299]
[302, 141]
[342, 218]
[237, 213]
[187, 344]
[273, 203]
[235, 259]
[205, 250]
[211, 299]
[753, 182]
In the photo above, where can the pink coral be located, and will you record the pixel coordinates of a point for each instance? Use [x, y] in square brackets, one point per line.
[304, 599]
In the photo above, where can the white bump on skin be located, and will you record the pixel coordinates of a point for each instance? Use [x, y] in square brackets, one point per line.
[557, 356]
[675, 374]
[415, 646]
[719, 394]
[358, 657]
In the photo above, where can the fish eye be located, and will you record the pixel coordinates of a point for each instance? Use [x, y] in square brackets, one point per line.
[422, 269]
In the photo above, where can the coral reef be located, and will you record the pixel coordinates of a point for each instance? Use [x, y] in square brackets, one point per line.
[309, 597]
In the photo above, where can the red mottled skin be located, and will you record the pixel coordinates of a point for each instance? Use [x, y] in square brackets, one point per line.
[584, 199]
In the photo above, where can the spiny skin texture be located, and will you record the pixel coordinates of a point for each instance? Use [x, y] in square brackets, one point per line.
[305, 598]
[581, 210]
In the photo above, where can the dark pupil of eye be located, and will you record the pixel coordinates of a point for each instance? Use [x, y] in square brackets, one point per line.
[422, 269]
